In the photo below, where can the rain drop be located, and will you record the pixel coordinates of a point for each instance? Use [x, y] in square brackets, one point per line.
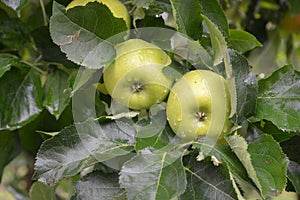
[182, 134]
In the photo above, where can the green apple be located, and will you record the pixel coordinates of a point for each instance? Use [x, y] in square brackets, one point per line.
[116, 7]
[136, 77]
[199, 103]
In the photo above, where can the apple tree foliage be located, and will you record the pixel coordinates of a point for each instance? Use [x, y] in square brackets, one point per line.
[134, 154]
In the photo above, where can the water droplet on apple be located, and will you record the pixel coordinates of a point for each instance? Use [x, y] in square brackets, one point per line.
[182, 134]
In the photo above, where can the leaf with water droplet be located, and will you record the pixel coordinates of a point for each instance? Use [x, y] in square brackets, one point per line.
[264, 161]
[278, 99]
[246, 87]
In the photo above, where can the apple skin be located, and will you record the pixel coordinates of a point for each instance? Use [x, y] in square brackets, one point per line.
[136, 77]
[116, 7]
[199, 103]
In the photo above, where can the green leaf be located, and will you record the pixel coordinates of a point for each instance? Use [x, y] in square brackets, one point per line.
[91, 25]
[21, 98]
[221, 54]
[219, 45]
[192, 51]
[157, 141]
[278, 99]
[239, 145]
[49, 51]
[17, 5]
[156, 175]
[290, 148]
[214, 12]
[79, 146]
[265, 163]
[14, 34]
[242, 41]
[206, 181]
[293, 174]
[294, 6]
[225, 155]
[270, 164]
[277, 134]
[56, 99]
[152, 132]
[188, 23]
[6, 61]
[39, 191]
[9, 149]
[287, 195]
[142, 3]
[246, 87]
[98, 185]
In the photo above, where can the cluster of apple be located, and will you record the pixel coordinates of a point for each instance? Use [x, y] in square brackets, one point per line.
[198, 103]
[136, 80]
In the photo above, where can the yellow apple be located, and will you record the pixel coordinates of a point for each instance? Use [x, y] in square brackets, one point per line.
[116, 7]
[136, 77]
[199, 103]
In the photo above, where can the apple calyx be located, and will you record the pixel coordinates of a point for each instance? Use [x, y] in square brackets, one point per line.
[201, 116]
[137, 87]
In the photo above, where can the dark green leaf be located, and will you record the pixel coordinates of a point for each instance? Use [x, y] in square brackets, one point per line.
[151, 132]
[150, 21]
[21, 98]
[14, 34]
[157, 141]
[207, 182]
[156, 175]
[79, 146]
[6, 61]
[188, 23]
[49, 51]
[39, 191]
[278, 99]
[270, 164]
[246, 87]
[225, 155]
[8, 148]
[242, 41]
[142, 3]
[91, 25]
[219, 46]
[15, 4]
[191, 51]
[295, 6]
[294, 175]
[56, 99]
[213, 10]
[98, 186]
[270, 128]
[291, 148]
[264, 161]
[160, 7]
